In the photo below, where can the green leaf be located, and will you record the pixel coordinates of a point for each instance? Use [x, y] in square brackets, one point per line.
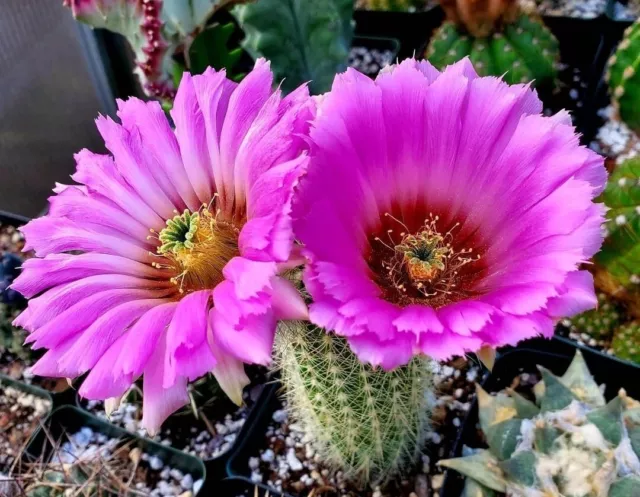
[306, 41]
[502, 438]
[524, 407]
[634, 437]
[581, 383]
[210, 49]
[474, 489]
[620, 254]
[521, 468]
[482, 467]
[628, 486]
[545, 435]
[556, 395]
[608, 419]
[493, 409]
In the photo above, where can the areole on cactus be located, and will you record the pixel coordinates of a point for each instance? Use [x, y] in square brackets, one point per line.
[569, 442]
[623, 78]
[499, 38]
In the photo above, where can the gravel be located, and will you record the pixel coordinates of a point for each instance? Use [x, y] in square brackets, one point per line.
[20, 413]
[288, 461]
[369, 61]
[206, 437]
[628, 12]
[583, 9]
[155, 478]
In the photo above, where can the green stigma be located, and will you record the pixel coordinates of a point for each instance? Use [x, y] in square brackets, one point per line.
[424, 255]
[179, 233]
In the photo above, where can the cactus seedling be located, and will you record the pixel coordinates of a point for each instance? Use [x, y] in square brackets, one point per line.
[499, 39]
[366, 422]
[623, 78]
[567, 443]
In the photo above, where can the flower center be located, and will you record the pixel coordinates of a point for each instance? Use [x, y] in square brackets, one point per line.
[196, 246]
[422, 265]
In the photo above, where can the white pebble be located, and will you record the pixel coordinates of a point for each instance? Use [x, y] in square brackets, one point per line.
[155, 463]
[293, 462]
[187, 482]
[280, 416]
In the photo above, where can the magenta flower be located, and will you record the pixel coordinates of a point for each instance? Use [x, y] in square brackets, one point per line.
[164, 261]
[442, 213]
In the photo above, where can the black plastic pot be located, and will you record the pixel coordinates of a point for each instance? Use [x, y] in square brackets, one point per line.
[216, 466]
[411, 29]
[555, 355]
[70, 419]
[12, 219]
[239, 487]
[252, 438]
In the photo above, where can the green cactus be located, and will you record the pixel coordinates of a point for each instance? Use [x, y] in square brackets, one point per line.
[392, 5]
[306, 41]
[620, 254]
[600, 323]
[365, 422]
[156, 31]
[623, 78]
[523, 50]
[568, 443]
[626, 342]
[11, 338]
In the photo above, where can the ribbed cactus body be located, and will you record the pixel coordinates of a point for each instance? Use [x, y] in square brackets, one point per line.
[522, 51]
[623, 76]
[366, 422]
[620, 254]
[567, 443]
[626, 342]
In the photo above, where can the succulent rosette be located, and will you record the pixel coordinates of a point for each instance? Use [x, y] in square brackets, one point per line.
[442, 212]
[164, 260]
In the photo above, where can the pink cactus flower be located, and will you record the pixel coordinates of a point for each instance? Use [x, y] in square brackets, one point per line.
[442, 213]
[163, 261]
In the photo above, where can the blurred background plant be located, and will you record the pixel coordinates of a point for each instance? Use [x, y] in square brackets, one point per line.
[562, 439]
[167, 37]
[500, 38]
[614, 325]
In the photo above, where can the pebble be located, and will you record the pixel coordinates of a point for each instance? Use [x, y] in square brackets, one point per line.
[187, 482]
[279, 416]
[155, 463]
[268, 455]
[582, 9]
[254, 463]
[293, 462]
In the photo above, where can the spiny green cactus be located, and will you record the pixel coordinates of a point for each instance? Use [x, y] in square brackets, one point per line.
[620, 254]
[365, 422]
[523, 50]
[626, 342]
[568, 443]
[623, 77]
[600, 323]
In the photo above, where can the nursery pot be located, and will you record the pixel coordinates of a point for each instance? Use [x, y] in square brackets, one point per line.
[411, 29]
[391, 45]
[555, 355]
[70, 419]
[215, 466]
[251, 439]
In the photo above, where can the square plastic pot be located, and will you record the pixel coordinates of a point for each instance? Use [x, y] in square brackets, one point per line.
[555, 355]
